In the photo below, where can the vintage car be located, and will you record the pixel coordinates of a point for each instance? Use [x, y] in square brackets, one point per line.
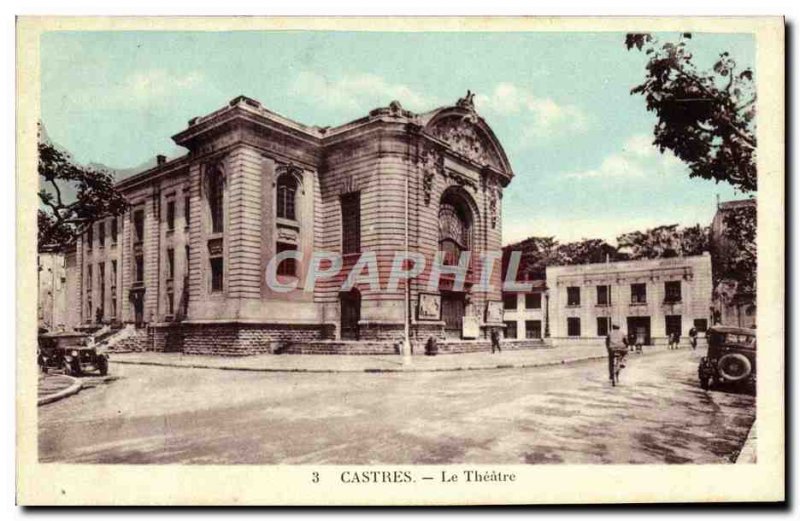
[731, 357]
[73, 353]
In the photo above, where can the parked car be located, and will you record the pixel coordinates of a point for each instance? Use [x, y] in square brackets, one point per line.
[73, 353]
[731, 357]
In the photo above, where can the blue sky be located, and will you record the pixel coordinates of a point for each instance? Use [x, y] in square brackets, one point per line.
[560, 103]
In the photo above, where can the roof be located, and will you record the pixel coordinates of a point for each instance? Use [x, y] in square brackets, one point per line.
[732, 329]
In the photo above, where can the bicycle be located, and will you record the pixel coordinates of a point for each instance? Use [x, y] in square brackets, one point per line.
[617, 367]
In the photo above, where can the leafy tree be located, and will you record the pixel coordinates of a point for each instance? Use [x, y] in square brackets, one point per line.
[72, 197]
[706, 118]
[740, 262]
[664, 242]
[539, 252]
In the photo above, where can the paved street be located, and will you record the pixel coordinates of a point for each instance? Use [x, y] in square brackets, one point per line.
[567, 414]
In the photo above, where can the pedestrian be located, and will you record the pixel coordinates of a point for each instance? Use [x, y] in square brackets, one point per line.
[676, 340]
[495, 337]
[693, 338]
[639, 342]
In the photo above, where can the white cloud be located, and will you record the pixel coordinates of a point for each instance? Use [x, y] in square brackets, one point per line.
[540, 116]
[157, 83]
[359, 92]
[638, 158]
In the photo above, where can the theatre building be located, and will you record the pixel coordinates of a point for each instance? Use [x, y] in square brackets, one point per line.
[650, 299]
[186, 263]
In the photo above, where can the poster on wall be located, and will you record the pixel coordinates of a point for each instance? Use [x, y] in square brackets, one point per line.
[470, 327]
[494, 312]
[430, 307]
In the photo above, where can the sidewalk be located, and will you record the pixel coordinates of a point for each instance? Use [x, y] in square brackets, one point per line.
[56, 387]
[748, 452]
[379, 363]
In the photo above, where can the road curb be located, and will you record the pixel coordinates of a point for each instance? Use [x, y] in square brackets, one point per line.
[69, 391]
[373, 370]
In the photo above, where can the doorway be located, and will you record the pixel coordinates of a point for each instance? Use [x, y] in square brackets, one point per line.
[452, 313]
[639, 330]
[350, 314]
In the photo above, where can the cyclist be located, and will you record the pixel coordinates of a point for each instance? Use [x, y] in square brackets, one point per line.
[616, 345]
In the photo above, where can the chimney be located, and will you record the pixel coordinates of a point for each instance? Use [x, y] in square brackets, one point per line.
[161, 159]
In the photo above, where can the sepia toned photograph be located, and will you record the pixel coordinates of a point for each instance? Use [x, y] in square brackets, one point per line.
[388, 257]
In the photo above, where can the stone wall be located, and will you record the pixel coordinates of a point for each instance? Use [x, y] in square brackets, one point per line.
[234, 339]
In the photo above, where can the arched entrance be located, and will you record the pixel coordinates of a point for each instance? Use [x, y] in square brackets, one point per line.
[350, 314]
[456, 219]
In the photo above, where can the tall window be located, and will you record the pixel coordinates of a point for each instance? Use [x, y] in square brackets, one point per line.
[90, 237]
[638, 293]
[170, 264]
[171, 214]
[287, 267]
[101, 273]
[351, 222]
[603, 295]
[287, 192]
[216, 191]
[114, 231]
[138, 271]
[672, 291]
[603, 325]
[454, 229]
[138, 225]
[573, 326]
[533, 301]
[113, 274]
[101, 233]
[216, 273]
[573, 296]
[187, 206]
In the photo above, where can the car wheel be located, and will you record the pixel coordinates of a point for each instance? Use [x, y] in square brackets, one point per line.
[734, 367]
[102, 366]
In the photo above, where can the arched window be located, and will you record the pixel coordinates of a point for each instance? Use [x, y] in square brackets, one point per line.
[455, 228]
[216, 189]
[287, 192]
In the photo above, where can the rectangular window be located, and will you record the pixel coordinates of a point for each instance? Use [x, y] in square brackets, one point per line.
[187, 207]
[603, 295]
[533, 329]
[101, 233]
[701, 324]
[638, 293]
[90, 237]
[533, 301]
[573, 296]
[672, 291]
[287, 267]
[113, 274]
[89, 277]
[114, 231]
[101, 273]
[510, 301]
[138, 269]
[113, 304]
[351, 222]
[511, 328]
[673, 323]
[171, 215]
[216, 273]
[170, 303]
[603, 325]
[170, 264]
[573, 326]
[138, 226]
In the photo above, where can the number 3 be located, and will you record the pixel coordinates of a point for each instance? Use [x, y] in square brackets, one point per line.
[315, 477]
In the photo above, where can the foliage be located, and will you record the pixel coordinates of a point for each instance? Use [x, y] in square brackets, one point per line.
[706, 118]
[740, 262]
[665, 242]
[63, 217]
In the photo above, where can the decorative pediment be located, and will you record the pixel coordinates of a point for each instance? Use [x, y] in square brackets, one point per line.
[464, 138]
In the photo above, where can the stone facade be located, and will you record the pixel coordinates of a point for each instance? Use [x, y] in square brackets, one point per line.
[646, 298]
[189, 256]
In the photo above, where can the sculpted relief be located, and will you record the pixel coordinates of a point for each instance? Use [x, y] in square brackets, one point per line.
[465, 139]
